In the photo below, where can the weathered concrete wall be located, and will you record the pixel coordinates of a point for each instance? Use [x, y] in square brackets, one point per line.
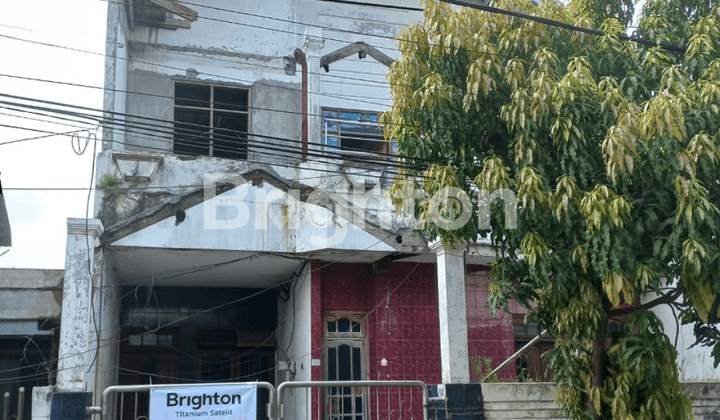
[706, 399]
[104, 343]
[276, 122]
[526, 400]
[116, 67]
[73, 355]
[694, 363]
[245, 32]
[293, 345]
[151, 97]
[30, 304]
[27, 294]
[535, 400]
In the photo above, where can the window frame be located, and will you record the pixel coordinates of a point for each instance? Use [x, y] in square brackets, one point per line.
[212, 110]
[353, 340]
[337, 151]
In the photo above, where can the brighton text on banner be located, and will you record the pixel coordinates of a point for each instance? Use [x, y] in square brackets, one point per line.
[207, 402]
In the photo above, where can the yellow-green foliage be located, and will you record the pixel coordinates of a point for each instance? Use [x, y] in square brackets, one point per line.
[611, 150]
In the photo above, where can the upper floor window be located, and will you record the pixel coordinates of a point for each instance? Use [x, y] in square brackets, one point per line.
[353, 132]
[211, 120]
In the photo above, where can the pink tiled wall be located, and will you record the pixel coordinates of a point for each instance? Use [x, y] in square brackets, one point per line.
[401, 326]
[488, 337]
[402, 323]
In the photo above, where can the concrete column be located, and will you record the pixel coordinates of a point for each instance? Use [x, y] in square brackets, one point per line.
[75, 327]
[453, 316]
[313, 44]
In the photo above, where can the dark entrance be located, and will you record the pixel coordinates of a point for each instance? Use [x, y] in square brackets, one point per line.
[197, 335]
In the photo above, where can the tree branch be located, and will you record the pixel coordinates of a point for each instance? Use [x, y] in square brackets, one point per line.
[668, 298]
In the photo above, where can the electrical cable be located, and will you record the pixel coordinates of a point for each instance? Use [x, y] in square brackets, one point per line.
[264, 149]
[163, 128]
[235, 79]
[549, 22]
[260, 145]
[90, 250]
[118, 341]
[161, 125]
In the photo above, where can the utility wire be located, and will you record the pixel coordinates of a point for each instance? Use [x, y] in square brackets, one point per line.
[115, 342]
[155, 95]
[183, 70]
[256, 146]
[480, 5]
[164, 129]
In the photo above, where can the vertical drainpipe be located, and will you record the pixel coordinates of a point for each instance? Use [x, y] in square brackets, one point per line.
[300, 58]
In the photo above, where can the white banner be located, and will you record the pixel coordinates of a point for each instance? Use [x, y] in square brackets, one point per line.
[207, 402]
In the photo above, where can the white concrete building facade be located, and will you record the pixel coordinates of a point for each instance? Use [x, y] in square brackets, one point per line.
[241, 157]
[241, 152]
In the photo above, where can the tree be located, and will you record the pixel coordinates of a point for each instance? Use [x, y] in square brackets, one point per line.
[611, 148]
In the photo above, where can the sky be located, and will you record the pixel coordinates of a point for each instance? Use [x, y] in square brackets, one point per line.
[38, 218]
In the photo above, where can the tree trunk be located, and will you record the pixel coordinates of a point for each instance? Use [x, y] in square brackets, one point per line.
[598, 350]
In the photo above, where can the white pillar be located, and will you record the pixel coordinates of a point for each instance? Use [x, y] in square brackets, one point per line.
[74, 349]
[313, 44]
[453, 317]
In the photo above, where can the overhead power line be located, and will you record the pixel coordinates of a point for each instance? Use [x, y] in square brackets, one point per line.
[482, 5]
[183, 70]
[159, 128]
[161, 133]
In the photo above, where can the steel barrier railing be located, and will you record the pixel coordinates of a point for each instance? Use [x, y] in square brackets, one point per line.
[104, 410]
[353, 384]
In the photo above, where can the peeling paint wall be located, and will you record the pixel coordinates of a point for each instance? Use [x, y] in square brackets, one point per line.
[293, 343]
[276, 122]
[150, 97]
[104, 347]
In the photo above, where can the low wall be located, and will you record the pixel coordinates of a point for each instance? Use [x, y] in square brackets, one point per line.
[530, 400]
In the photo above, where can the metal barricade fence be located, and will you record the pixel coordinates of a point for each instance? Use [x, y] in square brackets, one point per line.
[131, 402]
[359, 400]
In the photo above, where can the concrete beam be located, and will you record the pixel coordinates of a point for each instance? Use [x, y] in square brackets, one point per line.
[25, 278]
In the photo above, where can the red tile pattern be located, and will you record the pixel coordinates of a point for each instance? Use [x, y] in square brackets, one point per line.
[402, 325]
[488, 337]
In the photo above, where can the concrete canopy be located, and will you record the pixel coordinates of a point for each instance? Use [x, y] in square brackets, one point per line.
[248, 236]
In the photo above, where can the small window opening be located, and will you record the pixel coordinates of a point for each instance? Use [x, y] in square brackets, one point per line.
[211, 120]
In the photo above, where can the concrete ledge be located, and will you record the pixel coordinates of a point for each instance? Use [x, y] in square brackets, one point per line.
[24, 278]
[535, 400]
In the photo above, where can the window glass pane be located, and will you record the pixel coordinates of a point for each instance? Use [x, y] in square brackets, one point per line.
[343, 325]
[356, 327]
[192, 131]
[230, 135]
[357, 132]
[192, 95]
[332, 364]
[331, 326]
[344, 363]
[356, 360]
[150, 340]
[350, 116]
[332, 141]
[230, 99]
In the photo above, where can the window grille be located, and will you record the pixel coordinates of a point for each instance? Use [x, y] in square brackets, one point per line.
[211, 120]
